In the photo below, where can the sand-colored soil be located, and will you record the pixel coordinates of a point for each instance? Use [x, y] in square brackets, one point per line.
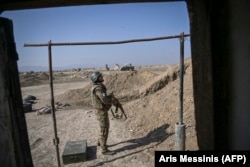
[150, 98]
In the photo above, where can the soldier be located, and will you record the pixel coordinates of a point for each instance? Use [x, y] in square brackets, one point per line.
[102, 103]
[107, 67]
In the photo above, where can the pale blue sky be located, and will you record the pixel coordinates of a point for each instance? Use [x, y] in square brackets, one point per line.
[101, 23]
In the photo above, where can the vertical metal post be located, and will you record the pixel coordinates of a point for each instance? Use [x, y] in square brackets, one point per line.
[181, 78]
[180, 127]
[56, 139]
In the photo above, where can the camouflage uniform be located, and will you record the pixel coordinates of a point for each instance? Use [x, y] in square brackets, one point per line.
[102, 103]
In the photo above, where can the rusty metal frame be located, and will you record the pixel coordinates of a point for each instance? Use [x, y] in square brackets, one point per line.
[107, 43]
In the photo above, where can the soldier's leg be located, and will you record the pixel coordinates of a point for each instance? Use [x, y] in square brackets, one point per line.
[103, 138]
[100, 118]
[104, 132]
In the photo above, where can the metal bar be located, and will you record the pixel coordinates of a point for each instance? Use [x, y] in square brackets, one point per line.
[180, 127]
[107, 43]
[181, 77]
[56, 139]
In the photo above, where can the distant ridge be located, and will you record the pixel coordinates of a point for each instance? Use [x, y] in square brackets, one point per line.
[41, 68]
[32, 68]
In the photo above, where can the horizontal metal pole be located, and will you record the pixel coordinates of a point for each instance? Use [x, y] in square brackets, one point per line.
[106, 43]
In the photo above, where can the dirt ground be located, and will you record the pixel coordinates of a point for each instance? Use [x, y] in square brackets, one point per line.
[150, 98]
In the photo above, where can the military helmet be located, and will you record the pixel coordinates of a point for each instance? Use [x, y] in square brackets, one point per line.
[95, 75]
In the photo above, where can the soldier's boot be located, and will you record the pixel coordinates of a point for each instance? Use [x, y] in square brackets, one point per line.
[108, 152]
[105, 150]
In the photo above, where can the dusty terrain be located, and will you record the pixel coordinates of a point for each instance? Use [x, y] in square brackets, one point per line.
[150, 98]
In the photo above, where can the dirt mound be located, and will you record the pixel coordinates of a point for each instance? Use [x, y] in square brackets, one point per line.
[126, 81]
[162, 80]
[29, 80]
[43, 76]
[125, 86]
[33, 78]
[77, 98]
[129, 85]
[162, 107]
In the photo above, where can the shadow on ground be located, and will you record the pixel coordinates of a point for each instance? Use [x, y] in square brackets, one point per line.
[91, 152]
[157, 136]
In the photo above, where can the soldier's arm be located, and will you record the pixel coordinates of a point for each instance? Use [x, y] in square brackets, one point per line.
[103, 96]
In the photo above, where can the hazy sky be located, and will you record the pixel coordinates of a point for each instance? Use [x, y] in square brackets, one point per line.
[101, 23]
